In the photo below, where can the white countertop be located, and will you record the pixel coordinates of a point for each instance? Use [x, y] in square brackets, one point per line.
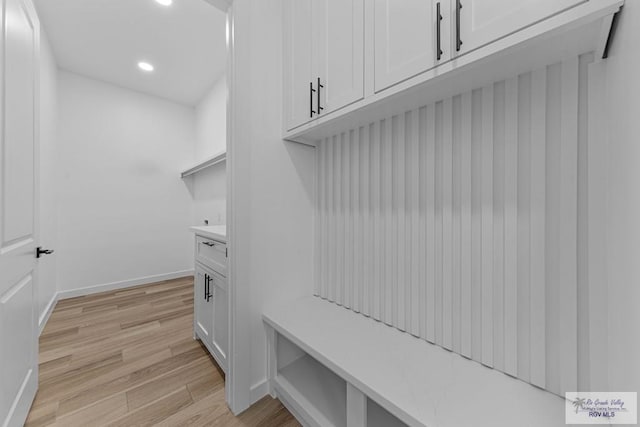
[216, 232]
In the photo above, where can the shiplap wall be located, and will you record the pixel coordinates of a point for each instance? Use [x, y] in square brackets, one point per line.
[457, 222]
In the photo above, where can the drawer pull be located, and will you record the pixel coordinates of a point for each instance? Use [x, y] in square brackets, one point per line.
[210, 244]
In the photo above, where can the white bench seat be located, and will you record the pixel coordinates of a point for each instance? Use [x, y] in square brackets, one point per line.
[419, 383]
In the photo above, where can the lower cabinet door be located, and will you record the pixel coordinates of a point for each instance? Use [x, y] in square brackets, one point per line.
[220, 320]
[203, 305]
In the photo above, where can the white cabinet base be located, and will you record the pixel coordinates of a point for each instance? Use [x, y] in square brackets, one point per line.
[210, 299]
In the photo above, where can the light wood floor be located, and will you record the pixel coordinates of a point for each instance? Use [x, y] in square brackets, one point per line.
[127, 358]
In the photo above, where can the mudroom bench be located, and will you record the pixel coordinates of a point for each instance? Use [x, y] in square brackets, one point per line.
[333, 367]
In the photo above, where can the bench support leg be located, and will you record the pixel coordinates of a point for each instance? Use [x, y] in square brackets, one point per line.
[272, 359]
[356, 407]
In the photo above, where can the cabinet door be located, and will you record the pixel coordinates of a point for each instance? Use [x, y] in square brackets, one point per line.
[203, 309]
[297, 62]
[484, 21]
[220, 319]
[338, 52]
[406, 38]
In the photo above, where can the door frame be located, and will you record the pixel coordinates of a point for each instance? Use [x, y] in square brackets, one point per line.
[238, 380]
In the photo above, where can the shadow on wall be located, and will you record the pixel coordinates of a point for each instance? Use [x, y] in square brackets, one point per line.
[297, 153]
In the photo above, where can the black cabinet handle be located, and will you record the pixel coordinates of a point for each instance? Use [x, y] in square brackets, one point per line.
[207, 287]
[458, 39]
[320, 108]
[210, 244]
[438, 23]
[311, 91]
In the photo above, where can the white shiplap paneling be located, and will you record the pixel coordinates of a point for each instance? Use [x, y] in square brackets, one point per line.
[457, 222]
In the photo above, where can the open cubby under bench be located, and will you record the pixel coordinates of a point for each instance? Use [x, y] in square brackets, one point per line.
[333, 367]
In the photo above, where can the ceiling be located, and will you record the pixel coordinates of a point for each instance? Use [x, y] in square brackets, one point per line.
[105, 39]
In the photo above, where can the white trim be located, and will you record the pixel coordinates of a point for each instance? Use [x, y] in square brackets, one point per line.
[259, 390]
[44, 316]
[122, 284]
[292, 408]
[237, 383]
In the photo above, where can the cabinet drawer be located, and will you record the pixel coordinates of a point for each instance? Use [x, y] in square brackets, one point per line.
[212, 254]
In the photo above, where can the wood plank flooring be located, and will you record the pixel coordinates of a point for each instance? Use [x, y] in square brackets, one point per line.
[128, 358]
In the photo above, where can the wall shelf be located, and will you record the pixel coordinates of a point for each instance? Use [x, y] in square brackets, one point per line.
[218, 158]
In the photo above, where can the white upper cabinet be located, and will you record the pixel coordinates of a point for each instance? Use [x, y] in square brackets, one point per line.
[411, 36]
[338, 53]
[366, 59]
[323, 57]
[484, 21]
[297, 62]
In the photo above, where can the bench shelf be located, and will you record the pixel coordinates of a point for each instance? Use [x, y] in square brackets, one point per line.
[318, 393]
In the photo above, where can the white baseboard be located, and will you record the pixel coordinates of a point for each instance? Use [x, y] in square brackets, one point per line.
[44, 316]
[122, 284]
[259, 390]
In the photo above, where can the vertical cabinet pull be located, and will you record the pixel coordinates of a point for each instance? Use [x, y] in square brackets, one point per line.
[311, 91]
[458, 39]
[438, 24]
[208, 294]
[320, 108]
[207, 287]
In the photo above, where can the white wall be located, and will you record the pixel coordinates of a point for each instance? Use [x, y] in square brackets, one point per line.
[123, 209]
[209, 186]
[453, 236]
[623, 204]
[47, 266]
[209, 190]
[211, 121]
[271, 196]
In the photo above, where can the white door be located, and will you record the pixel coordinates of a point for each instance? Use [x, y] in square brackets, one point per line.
[408, 35]
[18, 212]
[338, 53]
[297, 63]
[203, 307]
[484, 21]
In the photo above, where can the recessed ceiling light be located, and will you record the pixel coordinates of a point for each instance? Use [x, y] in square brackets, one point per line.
[165, 2]
[145, 66]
